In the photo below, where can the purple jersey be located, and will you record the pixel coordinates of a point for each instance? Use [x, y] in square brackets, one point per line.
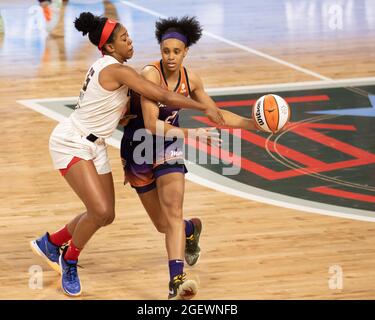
[169, 114]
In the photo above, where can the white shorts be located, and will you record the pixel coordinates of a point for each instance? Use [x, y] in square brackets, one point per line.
[67, 142]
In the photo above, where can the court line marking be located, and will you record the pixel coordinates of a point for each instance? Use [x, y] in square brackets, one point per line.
[217, 182]
[291, 86]
[295, 166]
[237, 45]
[270, 87]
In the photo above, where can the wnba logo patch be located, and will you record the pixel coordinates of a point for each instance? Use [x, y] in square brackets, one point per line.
[176, 154]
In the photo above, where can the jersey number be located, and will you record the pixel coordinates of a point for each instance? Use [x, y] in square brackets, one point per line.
[171, 118]
[89, 75]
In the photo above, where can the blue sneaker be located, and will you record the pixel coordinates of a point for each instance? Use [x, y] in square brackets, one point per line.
[70, 283]
[47, 250]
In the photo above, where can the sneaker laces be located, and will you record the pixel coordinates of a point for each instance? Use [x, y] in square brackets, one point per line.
[71, 271]
[179, 278]
[64, 247]
[191, 244]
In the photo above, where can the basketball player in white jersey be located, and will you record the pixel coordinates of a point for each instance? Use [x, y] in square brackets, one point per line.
[78, 147]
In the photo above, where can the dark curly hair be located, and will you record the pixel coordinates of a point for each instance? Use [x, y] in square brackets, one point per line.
[87, 23]
[188, 26]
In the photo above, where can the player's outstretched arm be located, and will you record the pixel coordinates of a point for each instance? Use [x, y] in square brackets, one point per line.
[150, 113]
[235, 121]
[231, 119]
[127, 76]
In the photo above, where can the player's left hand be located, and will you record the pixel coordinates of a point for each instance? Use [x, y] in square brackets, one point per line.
[209, 135]
[214, 114]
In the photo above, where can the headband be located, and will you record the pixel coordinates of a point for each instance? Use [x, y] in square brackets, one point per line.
[175, 35]
[106, 33]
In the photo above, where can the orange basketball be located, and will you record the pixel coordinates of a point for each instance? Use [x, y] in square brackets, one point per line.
[271, 113]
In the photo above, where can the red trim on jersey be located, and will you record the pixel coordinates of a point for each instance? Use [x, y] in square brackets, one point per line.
[106, 33]
[70, 164]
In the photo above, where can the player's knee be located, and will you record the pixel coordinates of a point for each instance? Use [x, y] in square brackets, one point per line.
[172, 204]
[104, 216]
[110, 218]
[161, 227]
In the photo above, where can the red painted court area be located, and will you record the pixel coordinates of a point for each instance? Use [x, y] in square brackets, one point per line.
[297, 161]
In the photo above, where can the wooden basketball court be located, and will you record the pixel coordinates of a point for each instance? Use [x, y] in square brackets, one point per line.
[250, 250]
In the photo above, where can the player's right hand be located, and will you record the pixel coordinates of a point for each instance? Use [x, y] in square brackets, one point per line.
[214, 114]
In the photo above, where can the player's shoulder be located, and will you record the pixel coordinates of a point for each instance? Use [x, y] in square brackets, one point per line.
[150, 72]
[149, 69]
[116, 67]
[116, 70]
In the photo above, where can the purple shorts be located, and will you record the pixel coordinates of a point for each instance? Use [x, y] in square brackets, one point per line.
[143, 177]
[167, 158]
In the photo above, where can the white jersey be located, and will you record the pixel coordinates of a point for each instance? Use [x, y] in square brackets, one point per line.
[98, 110]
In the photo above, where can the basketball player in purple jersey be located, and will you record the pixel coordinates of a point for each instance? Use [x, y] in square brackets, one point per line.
[160, 184]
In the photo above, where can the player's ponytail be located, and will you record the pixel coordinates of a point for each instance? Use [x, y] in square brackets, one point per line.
[87, 23]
